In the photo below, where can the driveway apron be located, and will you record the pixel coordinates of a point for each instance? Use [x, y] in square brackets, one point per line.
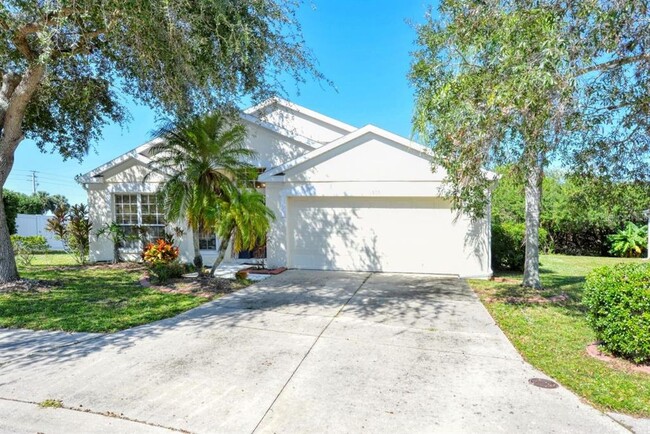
[304, 351]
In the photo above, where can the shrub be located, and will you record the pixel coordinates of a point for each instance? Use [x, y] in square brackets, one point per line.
[72, 226]
[508, 245]
[161, 258]
[630, 241]
[160, 252]
[25, 247]
[163, 272]
[618, 302]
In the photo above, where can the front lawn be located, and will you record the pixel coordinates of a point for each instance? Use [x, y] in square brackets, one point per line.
[91, 298]
[553, 336]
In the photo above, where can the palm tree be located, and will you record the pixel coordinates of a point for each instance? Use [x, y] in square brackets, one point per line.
[242, 218]
[202, 157]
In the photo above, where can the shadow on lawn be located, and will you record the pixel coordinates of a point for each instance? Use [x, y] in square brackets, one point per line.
[560, 290]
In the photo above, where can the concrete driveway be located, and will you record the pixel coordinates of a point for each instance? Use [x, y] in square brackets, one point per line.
[299, 352]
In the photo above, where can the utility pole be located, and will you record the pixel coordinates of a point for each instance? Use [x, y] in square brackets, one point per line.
[33, 182]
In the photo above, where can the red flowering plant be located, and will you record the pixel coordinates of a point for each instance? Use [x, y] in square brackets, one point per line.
[160, 252]
[161, 258]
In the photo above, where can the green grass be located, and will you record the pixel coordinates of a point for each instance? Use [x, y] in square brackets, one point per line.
[553, 336]
[51, 403]
[89, 299]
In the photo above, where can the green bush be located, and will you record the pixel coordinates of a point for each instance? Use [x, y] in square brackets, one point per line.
[618, 302]
[508, 246]
[630, 241]
[25, 247]
[163, 271]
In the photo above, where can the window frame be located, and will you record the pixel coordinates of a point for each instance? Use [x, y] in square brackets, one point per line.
[138, 244]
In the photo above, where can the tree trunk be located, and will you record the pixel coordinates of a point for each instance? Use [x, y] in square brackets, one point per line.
[116, 251]
[223, 246]
[198, 259]
[15, 95]
[8, 270]
[533, 193]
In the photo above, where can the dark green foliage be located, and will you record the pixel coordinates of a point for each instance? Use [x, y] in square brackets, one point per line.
[163, 271]
[618, 302]
[25, 247]
[629, 242]
[508, 249]
[577, 213]
[21, 203]
[176, 55]
[11, 201]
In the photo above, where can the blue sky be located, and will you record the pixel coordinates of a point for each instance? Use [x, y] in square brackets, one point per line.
[363, 47]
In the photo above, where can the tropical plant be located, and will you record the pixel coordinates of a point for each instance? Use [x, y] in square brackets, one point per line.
[160, 252]
[72, 226]
[629, 241]
[242, 220]
[161, 259]
[202, 157]
[116, 234]
[67, 67]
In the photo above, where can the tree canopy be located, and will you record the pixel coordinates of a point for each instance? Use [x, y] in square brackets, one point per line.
[525, 83]
[68, 66]
[176, 56]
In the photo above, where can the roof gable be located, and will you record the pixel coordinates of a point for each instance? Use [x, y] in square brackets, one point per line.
[367, 154]
[300, 121]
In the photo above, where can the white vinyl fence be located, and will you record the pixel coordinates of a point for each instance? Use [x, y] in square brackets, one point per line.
[33, 224]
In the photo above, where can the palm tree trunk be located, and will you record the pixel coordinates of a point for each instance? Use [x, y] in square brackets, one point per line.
[223, 246]
[533, 196]
[198, 259]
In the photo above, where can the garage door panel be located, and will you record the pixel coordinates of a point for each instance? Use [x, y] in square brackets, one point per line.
[373, 234]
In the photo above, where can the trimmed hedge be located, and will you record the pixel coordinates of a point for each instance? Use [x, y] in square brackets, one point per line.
[618, 302]
[508, 246]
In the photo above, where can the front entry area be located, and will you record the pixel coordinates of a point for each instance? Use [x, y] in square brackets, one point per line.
[390, 234]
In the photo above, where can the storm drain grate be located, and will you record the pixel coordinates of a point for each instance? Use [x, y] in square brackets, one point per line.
[543, 383]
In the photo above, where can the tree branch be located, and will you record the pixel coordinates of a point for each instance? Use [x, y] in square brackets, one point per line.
[9, 83]
[615, 63]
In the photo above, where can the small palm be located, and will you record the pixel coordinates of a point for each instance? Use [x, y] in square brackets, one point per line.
[629, 241]
[243, 218]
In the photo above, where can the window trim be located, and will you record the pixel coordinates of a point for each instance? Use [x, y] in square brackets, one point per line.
[138, 195]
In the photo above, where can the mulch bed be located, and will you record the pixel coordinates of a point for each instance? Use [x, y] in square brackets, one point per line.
[29, 285]
[593, 350]
[272, 271]
[204, 286]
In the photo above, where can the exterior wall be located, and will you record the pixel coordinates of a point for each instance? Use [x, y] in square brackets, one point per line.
[374, 167]
[365, 159]
[126, 178]
[471, 260]
[271, 148]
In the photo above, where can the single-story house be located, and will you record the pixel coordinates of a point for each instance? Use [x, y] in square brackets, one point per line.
[345, 198]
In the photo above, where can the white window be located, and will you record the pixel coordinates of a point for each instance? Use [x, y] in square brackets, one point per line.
[140, 217]
[207, 240]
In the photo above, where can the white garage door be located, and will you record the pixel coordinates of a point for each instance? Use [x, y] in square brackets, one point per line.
[415, 235]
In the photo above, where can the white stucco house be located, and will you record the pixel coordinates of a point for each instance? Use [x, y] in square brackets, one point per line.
[345, 198]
